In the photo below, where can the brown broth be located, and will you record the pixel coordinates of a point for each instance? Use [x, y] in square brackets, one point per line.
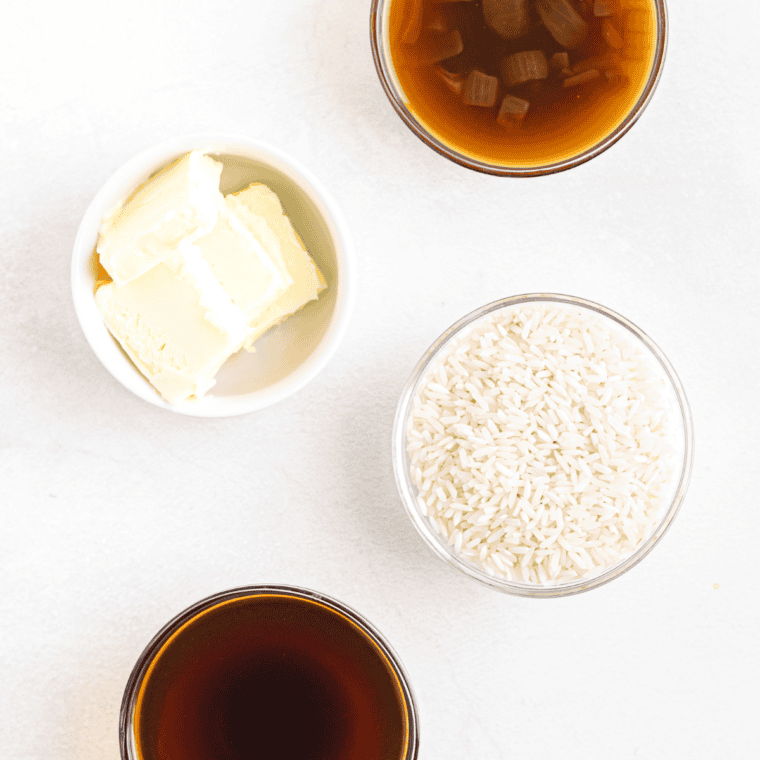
[561, 123]
[271, 676]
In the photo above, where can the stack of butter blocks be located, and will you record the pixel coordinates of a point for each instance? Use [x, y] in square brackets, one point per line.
[196, 275]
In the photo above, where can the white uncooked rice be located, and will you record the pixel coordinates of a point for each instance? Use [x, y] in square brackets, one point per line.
[540, 445]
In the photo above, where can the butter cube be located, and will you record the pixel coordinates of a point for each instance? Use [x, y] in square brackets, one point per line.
[249, 274]
[260, 209]
[180, 202]
[176, 323]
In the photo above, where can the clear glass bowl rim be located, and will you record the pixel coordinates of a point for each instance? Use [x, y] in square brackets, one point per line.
[126, 715]
[382, 66]
[406, 487]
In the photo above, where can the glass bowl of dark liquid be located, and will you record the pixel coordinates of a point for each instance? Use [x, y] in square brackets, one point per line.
[272, 672]
[519, 87]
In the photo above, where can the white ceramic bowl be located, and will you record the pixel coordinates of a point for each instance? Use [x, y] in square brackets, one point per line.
[289, 355]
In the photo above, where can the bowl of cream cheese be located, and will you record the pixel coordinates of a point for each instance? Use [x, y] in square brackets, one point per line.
[213, 275]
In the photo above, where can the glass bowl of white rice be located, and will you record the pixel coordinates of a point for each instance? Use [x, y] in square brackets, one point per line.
[543, 445]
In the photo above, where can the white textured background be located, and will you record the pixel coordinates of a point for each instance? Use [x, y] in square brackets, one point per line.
[116, 515]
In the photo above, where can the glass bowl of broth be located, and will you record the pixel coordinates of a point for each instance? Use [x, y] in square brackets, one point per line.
[268, 671]
[519, 88]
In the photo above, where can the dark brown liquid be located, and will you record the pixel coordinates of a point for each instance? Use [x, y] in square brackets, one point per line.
[561, 123]
[271, 677]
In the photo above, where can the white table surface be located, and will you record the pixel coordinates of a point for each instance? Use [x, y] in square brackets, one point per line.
[117, 515]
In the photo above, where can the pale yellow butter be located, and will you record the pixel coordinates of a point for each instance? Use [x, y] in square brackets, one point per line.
[176, 323]
[260, 209]
[251, 276]
[181, 202]
[193, 284]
